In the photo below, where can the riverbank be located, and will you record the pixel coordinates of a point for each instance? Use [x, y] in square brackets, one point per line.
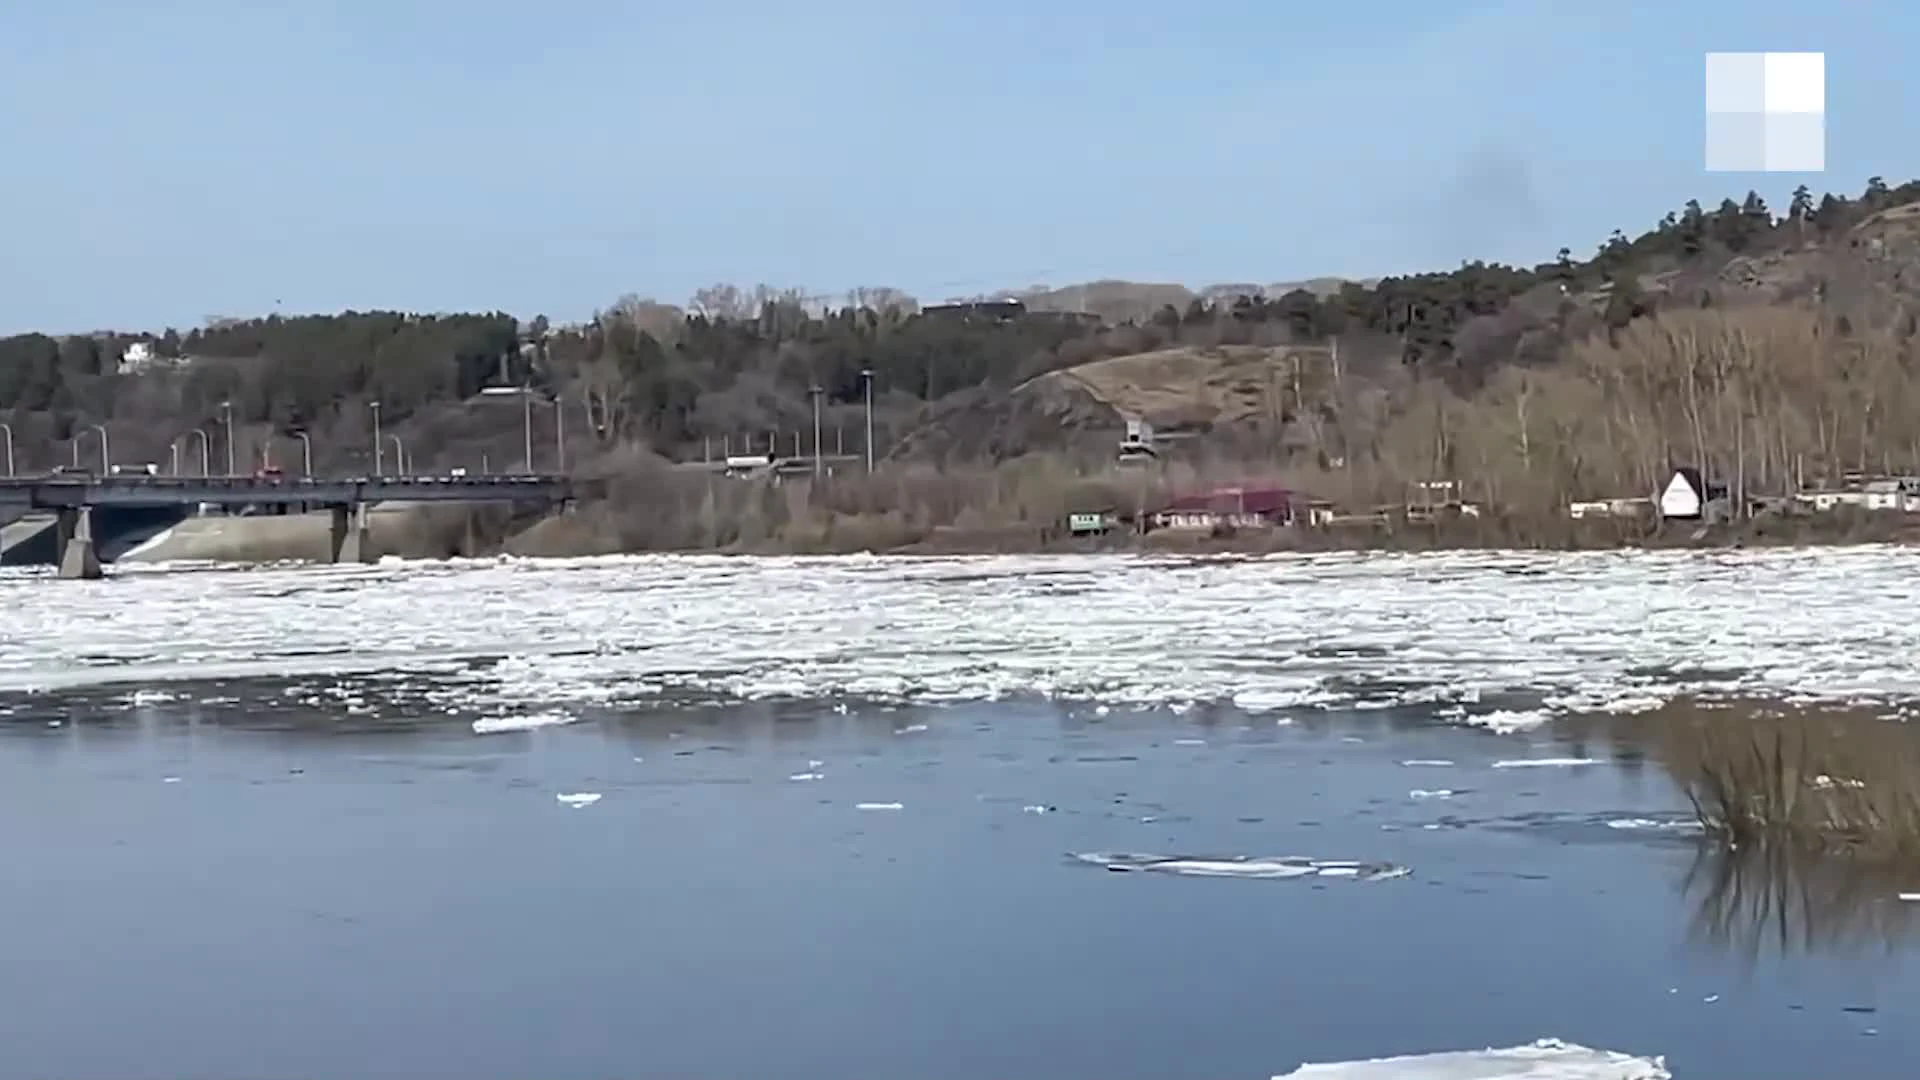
[443, 532]
[598, 531]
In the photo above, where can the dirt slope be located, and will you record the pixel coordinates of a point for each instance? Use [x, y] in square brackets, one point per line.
[1184, 390]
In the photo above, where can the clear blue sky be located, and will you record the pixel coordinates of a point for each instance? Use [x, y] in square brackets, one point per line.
[162, 162]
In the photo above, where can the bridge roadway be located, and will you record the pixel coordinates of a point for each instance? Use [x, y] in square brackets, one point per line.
[75, 492]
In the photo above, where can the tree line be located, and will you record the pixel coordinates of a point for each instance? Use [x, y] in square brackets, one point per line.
[732, 360]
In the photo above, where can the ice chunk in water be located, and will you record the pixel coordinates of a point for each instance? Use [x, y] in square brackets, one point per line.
[494, 725]
[1547, 1059]
[580, 799]
[1244, 866]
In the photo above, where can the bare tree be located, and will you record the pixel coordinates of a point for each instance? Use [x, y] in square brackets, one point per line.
[882, 300]
[722, 302]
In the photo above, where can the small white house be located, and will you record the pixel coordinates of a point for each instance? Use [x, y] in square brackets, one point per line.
[1138, 442]
[1688, 497]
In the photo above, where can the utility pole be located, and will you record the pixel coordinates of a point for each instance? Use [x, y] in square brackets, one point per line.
[559, 435]
[379, 460]
[814, 392]
[866, 376]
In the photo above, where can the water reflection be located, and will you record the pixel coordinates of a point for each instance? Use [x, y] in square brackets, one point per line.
[1756, 900]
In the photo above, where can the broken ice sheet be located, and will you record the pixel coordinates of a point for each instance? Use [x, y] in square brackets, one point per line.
[1241, 866]
[579, 800]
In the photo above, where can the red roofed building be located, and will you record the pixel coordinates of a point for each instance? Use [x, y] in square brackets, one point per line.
[1235, 508]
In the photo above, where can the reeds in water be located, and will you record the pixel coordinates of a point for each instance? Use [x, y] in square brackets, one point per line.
[1817, 778]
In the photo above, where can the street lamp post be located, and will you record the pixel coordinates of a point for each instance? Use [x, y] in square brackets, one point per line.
[378, 450]
[399, 455]
[173, 458]
[106, 452]
[526, 425]
[526, 395]
[6, 430]
[206, 446]
[306, 453]
[866, 376]
[814, 392]
[226, 417]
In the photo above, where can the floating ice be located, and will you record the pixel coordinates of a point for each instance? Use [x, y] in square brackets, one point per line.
[1509, 721]
[1547, 1059]
[1545, 763]
[879, 806]
[1242, 866]
[579, 800]
[1573, 632]
[1425, 762]
[143, 698]
[1438, 793]
[806, 776]
[1637, 824]
[494, 725]
[1911, 897]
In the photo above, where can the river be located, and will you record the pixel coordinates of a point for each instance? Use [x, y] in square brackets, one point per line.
[826, 818]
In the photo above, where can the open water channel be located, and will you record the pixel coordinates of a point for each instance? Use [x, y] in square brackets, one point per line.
[937, 818]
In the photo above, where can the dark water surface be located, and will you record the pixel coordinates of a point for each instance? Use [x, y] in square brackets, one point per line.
[321, 893]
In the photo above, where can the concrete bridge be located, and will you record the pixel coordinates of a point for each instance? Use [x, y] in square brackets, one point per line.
[65, 505]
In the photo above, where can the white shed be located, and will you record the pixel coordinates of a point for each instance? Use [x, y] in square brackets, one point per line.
[1688, 497]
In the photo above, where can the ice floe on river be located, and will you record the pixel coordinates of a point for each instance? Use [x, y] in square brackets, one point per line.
[1241, 866]
[1546, 1059]
[1501, 640]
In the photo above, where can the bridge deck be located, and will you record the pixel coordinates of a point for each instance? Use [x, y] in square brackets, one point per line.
[57, 492]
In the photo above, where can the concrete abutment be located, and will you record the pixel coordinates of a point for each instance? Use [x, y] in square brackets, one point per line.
[73, 536]
[348, 535]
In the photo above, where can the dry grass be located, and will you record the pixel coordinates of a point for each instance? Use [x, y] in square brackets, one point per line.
[1816, 779]
[1812, 818]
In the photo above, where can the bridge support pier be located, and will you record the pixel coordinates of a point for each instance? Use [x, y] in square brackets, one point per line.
[349, 534]
[73, 533]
